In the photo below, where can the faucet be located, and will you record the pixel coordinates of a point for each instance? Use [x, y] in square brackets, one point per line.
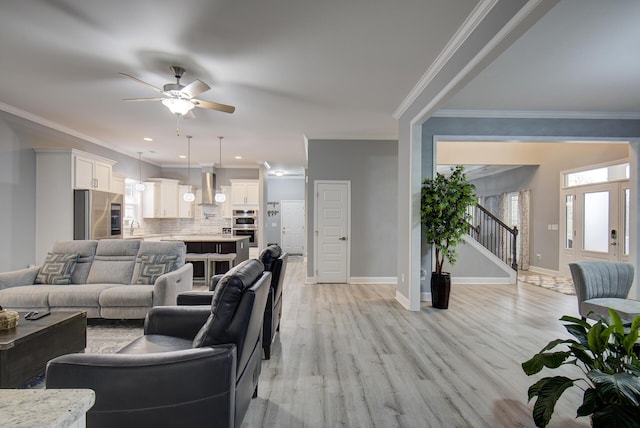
[131, 226]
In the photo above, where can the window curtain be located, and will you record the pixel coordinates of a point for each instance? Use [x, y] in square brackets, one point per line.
[524, 197]
[503, 215]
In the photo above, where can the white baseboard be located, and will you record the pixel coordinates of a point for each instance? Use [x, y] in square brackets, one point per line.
[484, 281]
[310, 280]
[373, 280]
[425, 296]
[403, 300]
[544, 271]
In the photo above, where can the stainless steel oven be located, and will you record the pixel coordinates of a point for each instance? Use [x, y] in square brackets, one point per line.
[245, 223]
[251, 233]
[245, 219]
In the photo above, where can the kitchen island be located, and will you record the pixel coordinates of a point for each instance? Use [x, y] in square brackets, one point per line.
[222, 244]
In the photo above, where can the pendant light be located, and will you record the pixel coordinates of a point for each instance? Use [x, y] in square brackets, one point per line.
[139, 186]
[189, 196]
[220, 197]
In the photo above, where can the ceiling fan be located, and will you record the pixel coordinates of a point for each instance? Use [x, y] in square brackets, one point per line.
[178, 98]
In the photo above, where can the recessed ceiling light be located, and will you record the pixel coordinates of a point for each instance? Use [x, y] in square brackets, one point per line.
[182, 157]
[148, 139]
[238, 157]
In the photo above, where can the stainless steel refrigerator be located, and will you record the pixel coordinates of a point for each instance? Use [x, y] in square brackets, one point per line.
[97, 215]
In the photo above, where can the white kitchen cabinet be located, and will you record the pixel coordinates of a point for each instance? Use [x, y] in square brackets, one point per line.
[160, 198]
[56, 174]
[245, 192]
[92, 172]
[185, 209]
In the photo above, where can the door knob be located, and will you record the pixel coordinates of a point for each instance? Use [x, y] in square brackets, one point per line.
[343, 238]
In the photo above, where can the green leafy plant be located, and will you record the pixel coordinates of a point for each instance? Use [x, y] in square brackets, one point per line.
[607, 354]
[444, 212]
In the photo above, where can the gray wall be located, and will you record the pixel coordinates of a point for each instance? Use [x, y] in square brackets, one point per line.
[279, 189]
[372, 168]
[18, 138]
[442, 128]
[222, 175]
[544, 182]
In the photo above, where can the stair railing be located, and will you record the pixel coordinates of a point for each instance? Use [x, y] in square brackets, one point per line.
[494, 235]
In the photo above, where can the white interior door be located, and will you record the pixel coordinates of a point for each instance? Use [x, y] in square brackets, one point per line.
[595, 224]
[292, 221]
[332, 231]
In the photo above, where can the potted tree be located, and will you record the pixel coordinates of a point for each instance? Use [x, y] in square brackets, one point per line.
[444, 213]
[606, 357]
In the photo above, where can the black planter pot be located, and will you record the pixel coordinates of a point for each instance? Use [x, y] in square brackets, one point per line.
[440, 290]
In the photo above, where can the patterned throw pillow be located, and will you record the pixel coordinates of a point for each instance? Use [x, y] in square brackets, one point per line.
[154, 265]
[57, 269]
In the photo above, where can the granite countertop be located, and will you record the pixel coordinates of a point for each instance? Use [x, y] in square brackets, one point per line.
[51, 408]
[206, 238]
[191, 238]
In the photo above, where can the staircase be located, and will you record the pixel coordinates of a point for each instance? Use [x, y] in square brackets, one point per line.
[490, 232]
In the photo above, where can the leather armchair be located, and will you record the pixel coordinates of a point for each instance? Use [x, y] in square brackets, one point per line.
[275, 261]
[194, 366]
[601, 285]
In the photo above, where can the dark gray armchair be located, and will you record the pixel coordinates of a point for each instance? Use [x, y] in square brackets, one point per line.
[194, 366]
[275, 261]
[601, 285]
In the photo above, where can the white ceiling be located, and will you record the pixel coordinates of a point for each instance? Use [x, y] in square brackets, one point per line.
[582, 59]
[294, 69]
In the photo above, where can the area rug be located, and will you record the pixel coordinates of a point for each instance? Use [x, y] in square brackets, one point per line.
[103, 337]
[561, 284]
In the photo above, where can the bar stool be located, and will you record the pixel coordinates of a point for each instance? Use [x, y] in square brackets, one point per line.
[200, 257]
[212, 258]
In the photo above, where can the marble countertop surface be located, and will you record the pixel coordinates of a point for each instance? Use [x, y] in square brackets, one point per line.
[193, 238]
[51, 408]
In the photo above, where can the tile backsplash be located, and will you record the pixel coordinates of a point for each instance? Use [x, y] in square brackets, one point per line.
[206, 221]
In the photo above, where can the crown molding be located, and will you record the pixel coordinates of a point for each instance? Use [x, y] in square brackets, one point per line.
[474, 19]
[536, 114]
[55, 126]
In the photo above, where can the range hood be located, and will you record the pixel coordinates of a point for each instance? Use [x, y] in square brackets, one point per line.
[208, 188]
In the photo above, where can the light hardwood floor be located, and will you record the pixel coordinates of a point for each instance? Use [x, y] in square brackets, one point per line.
[351, 356]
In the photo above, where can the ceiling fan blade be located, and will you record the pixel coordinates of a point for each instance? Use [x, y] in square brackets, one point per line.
[195, 88]
[213, 106]
[189, 115]
[144, 99]
[143, 82]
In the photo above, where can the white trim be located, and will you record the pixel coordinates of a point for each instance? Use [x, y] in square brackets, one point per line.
[310, 280]
[536, 114]
[544, 271]
[373, 280]
[481, 281]
[511, 277]
[426, 112]
[403, 300]
[315, 222]
[475, 18]
[425, 296]
[61, 128]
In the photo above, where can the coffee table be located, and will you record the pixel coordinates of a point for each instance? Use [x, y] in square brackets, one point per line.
[25, 349]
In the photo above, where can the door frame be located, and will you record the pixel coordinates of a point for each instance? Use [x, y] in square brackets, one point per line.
[566, 256]
[315, 226]
[304, 232]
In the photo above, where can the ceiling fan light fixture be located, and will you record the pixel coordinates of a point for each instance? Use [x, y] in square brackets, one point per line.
[178, 105]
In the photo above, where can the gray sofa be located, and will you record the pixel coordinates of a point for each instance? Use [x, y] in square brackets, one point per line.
[109, 278]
